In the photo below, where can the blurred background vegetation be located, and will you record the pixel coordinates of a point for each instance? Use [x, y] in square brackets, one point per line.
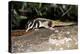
[21, 12]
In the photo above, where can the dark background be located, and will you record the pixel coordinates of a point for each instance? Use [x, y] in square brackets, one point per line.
[21, 12]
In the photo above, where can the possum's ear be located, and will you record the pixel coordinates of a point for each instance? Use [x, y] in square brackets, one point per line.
[49, 24]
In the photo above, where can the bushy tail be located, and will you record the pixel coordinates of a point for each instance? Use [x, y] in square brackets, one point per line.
[59, 23]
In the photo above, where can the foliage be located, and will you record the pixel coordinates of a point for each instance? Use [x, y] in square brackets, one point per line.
[31, 10]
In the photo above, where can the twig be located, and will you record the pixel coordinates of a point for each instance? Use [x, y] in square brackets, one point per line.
[67, 11]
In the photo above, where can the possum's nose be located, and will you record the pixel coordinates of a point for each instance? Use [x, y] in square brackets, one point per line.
[27, 30]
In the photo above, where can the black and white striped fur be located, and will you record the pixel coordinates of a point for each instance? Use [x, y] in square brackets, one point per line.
[37, 23]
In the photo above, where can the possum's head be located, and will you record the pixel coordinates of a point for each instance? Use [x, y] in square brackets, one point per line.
[29, 26]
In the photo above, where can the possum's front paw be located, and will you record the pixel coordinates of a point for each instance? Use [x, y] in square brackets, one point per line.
[52, 28]
[36, 29]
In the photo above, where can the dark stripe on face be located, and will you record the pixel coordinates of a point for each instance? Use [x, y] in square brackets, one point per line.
[30, 23]
[36, 24]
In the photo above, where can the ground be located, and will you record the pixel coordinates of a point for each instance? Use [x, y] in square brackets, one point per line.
[62, 38]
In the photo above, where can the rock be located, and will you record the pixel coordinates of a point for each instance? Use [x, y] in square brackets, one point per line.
[43, 40]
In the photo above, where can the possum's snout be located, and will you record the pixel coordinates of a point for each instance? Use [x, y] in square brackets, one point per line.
[28, 29]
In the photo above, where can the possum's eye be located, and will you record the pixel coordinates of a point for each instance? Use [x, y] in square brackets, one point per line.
[50, 24]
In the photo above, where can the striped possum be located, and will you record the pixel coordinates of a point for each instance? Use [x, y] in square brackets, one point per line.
[46, 23]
